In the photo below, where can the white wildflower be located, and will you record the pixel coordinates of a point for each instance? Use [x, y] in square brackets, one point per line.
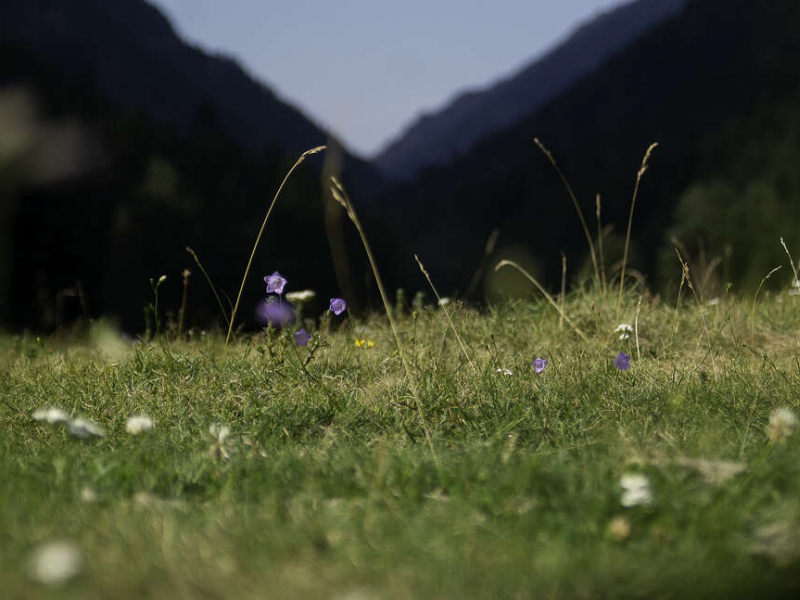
[506, 372]
[301, 296]
[51, 415]
[714, 301]
[84, 429]
[716, 472]
[782, 422]
[218, 449]
[139, 424]
[55, 563]
[624, 330]
[444, 301]
[88, 495]
[635, 490]
[219, 432]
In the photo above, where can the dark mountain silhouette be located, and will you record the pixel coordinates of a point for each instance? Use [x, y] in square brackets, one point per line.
[129, 51]
[171, 147]
[437, 138]
[717, 86]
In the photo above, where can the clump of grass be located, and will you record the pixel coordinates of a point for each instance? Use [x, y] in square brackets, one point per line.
[258, 477]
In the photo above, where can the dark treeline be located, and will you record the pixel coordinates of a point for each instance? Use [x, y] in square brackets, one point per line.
[91, 240]
[717, 87]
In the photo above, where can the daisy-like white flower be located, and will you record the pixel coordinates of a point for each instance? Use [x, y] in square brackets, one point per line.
[338, 306]
[782, 422]
[624, 330]
[444, 301]
[139, 424]
[55, 563]
[275, 283]
[635, 490]
[539, 365]
[84, 429]
[219, 432]
[301, 296]
[506, 372]
[218, 449]
[51, 415]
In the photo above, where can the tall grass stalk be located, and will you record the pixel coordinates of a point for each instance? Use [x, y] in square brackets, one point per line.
[598, 206]
[511, 263]
[563, 290]
[639, 175]
[571, 193]
[261, 232]
[446, 314]
[210, 283]
[755, 297]
[700, 308]
[340, 195]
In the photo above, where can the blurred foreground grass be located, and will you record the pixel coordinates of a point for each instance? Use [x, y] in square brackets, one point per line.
[326, 486]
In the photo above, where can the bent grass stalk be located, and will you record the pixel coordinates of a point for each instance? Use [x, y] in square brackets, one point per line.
[446, 314]
[210, 283]
[511, 263]
[690, 285]
[340, 195]
[571, 193]
[598, 207]
[639, 175]
[755, 297]
[261, 233]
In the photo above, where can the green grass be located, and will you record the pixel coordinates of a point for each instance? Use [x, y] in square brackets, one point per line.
[331, 489]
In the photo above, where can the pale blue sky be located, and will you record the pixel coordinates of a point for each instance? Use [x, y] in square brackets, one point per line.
[366, 68]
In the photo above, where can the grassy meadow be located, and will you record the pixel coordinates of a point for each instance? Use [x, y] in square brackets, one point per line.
[274, 470]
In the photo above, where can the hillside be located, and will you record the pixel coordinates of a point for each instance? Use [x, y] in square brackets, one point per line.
[717, 87]
[439, 137]
[176, 147]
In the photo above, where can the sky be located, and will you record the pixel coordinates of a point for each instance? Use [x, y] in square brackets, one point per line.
[365, 69]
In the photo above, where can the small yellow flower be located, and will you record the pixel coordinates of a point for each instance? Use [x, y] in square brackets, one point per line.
[365, 344]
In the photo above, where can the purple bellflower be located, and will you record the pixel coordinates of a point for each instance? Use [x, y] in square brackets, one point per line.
[275, 283]
[622, 362]
[301, 337]
[338, 306]
[274, 312]
[539, 365]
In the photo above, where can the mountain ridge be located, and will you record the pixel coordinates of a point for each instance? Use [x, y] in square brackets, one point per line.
[134, 55]
[438, 137]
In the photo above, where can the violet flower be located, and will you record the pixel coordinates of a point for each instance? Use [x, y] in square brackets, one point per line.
[539, 365]
[275, 283]
[338, 306]
[301, 337]
[622, 362]
[274, 312]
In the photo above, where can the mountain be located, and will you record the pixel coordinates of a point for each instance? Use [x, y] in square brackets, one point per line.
[121, 145]
[437, 138]
[130, 52]
[716, 86]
